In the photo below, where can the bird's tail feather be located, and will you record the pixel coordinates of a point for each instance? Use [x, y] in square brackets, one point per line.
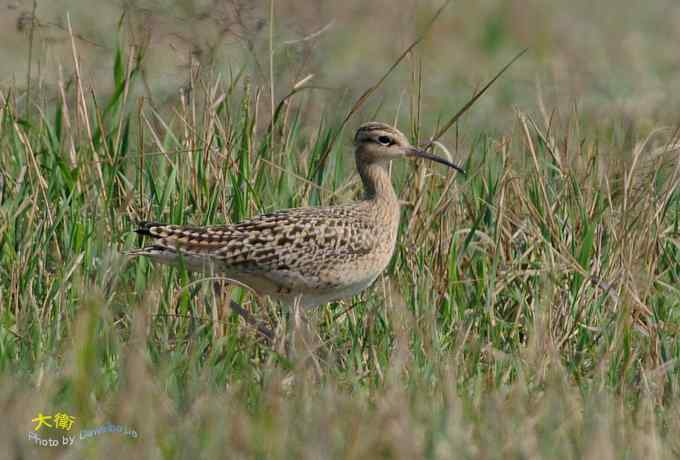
[144, 227]
[153, 250]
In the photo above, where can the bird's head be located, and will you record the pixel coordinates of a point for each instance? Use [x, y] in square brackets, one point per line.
[380, 143]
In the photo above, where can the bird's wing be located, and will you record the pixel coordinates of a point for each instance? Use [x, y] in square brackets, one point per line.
[284, 240]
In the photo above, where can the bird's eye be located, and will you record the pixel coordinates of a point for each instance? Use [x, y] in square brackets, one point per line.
[384, 140]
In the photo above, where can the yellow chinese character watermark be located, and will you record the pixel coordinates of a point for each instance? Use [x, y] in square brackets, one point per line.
[63, 421]
[41, 420]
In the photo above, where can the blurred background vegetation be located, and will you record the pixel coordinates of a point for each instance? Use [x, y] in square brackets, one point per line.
[613, 60]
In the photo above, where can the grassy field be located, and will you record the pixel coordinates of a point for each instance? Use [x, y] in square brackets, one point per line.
[531, 310]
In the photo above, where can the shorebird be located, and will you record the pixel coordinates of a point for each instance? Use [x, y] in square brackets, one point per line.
[308, 255]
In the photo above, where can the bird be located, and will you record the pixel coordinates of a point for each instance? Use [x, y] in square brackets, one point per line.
[308, 255]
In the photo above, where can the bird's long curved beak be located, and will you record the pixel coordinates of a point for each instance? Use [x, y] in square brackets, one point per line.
[418, 153]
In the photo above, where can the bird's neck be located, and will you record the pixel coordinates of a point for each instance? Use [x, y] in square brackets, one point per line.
[377, 182]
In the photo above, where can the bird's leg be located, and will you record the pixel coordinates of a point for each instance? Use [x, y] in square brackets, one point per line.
[250, 319]
[245, 314]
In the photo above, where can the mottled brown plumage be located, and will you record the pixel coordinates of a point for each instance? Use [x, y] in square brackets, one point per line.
[310, 255]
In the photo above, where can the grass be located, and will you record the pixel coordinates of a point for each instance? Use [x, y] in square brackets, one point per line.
[531, 309]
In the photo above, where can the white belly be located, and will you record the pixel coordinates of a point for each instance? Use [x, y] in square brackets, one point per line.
[321, 297]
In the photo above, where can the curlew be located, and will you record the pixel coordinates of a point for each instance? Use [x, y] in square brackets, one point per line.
[308, 255]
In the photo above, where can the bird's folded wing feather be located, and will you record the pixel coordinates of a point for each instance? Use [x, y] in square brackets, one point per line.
[284, 240]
